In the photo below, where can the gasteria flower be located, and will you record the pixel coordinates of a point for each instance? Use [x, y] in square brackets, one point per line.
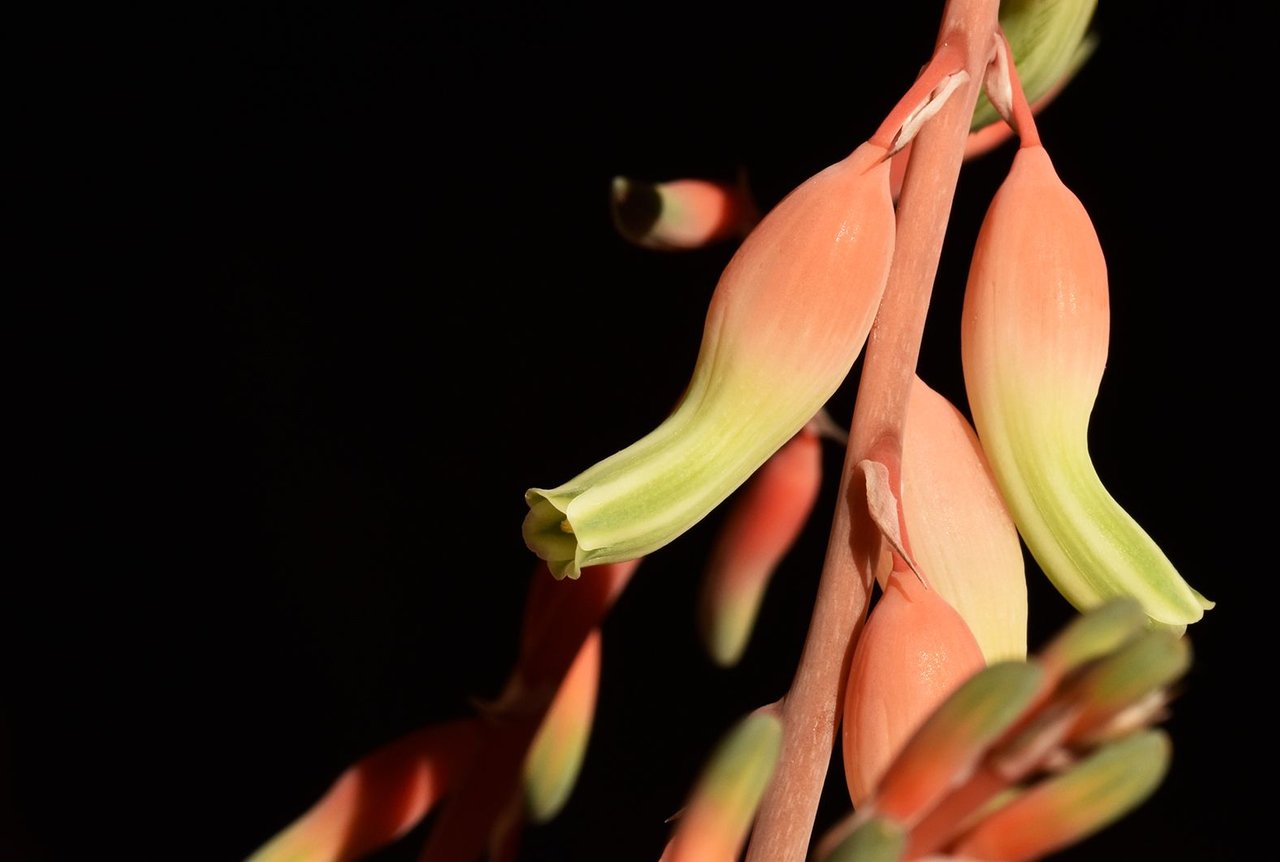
[379, 798]
[555, 757]
[758, 530]
[683, 214]
[1036, 322]
[713, 825]
[786, 321]
[960, 530]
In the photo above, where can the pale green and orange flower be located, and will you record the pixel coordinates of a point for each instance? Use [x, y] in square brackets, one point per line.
[786, 322]
[683, 214]
[558, 750]
[759, 529]
[1035, 330]
[714, 823]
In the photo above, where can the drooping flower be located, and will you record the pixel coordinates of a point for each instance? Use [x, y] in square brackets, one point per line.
[713, 825]
[556, 755]
[379, 798]
[960, 530]
[762, 525]
[1036, 323]
[786, 321]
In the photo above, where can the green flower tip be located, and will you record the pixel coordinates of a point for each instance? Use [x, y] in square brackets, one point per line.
[1050, 41]
[879, 839]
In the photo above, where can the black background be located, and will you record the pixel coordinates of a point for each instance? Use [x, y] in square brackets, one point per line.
[322, 288]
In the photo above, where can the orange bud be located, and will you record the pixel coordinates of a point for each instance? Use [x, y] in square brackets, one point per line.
[913, 653]
[764, 521]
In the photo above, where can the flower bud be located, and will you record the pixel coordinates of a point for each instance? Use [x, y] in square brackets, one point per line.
[713, 825]
[1069, 807]
[761, 526]
[786, 321]
[913, 653]
[555, 757]
[681, 214]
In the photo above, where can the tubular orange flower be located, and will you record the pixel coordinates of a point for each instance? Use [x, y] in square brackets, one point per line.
[786, 321]
[1034, 344]
[757, 532]
[914, 652]
[556, 754]
[377, 799]
[714, 823]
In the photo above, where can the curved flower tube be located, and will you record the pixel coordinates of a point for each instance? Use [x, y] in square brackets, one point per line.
[786, 321]
[1034, 336]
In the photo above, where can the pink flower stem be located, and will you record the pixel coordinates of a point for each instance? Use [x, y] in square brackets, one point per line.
[812, 707]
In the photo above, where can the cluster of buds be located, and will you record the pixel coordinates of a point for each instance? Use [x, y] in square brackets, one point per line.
[955, 744]
[1024, 758]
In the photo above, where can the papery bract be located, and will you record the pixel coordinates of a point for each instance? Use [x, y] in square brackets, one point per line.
[787, 320]
[1036, 322]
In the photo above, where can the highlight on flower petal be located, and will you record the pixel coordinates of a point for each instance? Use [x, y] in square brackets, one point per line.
[960, 530]
[1067, 808]
[378, 799]
[914, 651]
[1036, 321]
[715, 822]
[681, 214]
[555, 757]
[1050, 40]
[786, 322]
[763, 522]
